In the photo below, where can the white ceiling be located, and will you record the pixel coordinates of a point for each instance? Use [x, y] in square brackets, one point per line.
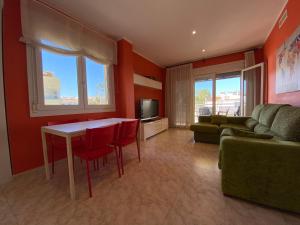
[161, 30]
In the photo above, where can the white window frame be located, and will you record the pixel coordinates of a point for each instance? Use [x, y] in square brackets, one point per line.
[110, 85]
[36, 92]
[262, 72]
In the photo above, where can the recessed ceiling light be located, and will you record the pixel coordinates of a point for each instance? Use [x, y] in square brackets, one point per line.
[203, 50]
[194, 32]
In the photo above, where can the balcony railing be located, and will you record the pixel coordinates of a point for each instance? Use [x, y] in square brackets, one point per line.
[228, 109]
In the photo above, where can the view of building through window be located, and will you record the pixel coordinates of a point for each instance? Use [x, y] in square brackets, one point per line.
[227, 101]
[203, 98]
[60, 80]
[228, 96]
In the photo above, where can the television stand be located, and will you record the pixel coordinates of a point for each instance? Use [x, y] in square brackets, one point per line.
[153, 127]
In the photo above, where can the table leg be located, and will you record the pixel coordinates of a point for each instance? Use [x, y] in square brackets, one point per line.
[70, 167]
[45, 153]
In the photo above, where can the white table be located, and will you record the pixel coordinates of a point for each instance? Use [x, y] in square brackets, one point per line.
[68, 131]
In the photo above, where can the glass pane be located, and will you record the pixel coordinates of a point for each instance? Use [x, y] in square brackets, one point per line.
[228, 96]
[59, 79]
[252, 90]
[203, 98]
[96, 76]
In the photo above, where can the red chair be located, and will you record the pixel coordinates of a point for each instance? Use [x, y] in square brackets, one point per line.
[59, 143]
[128, 134]
[98, 144]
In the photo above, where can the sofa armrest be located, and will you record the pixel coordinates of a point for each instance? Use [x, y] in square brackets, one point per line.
[263, 171]
[237, 119]
[252, 149]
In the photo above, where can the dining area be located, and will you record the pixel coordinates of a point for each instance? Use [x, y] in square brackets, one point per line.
[90, 141]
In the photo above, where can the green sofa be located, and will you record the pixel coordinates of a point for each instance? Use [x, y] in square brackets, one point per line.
[208, 132]
[259, 155]
[260, 122]
[265, 171]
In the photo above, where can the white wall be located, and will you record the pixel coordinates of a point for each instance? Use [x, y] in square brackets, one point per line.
[5, 166]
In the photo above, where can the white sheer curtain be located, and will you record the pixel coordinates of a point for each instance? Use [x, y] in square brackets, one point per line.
[42, 25]
[179, 95]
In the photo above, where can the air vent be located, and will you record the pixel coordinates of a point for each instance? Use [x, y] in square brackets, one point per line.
[283, 18]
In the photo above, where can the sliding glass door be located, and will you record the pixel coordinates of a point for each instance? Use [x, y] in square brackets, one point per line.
[228, 94]
[218, 94]
[203, 97]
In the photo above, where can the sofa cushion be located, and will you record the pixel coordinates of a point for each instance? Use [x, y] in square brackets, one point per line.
[268, 113]
[261, 129]
[237, 119]
[251, 123]
[227, 132]
[287, 123]
[218, 119]
[207, 138]
[205, 128]
[249, 134]
[232, 125]
[256, 112]
[206, 119]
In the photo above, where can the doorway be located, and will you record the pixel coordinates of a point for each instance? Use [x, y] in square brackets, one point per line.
[229, 94]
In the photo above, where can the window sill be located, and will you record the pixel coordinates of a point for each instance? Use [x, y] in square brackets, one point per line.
[41, 113]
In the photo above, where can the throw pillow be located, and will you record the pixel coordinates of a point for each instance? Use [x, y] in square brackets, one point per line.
[218, 119]
[251, 123]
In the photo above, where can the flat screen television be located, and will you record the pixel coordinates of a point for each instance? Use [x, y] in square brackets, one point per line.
[149, 109]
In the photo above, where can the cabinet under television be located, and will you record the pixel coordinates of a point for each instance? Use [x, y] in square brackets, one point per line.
[151, 128]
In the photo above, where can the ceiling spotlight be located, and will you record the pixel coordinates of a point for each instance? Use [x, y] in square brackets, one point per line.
[203, 50]
[194, 32]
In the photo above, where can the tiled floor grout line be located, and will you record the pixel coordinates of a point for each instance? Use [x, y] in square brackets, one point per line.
[10, 208]
[176, 184]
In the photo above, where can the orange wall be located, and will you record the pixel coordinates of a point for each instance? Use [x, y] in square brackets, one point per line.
[219, 60]
[125, 79]
[24, 131]
[228, 58]
[274, 41]
[144, 67]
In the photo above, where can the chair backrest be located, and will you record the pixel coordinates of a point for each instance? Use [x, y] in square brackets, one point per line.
[99, 138]
[62, 122]
[128, 130]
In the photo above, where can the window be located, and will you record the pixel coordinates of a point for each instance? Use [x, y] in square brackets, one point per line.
[203, 98]
[60, 79]
[228, 98]
[62, 82]
[70, 66]
[96, 80]
[218, 94]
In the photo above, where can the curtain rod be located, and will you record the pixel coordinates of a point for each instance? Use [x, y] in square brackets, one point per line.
[66, 15]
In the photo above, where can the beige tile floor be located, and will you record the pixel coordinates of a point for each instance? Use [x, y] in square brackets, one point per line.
[177, 183]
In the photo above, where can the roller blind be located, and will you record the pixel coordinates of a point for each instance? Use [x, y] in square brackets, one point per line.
[42, 25]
